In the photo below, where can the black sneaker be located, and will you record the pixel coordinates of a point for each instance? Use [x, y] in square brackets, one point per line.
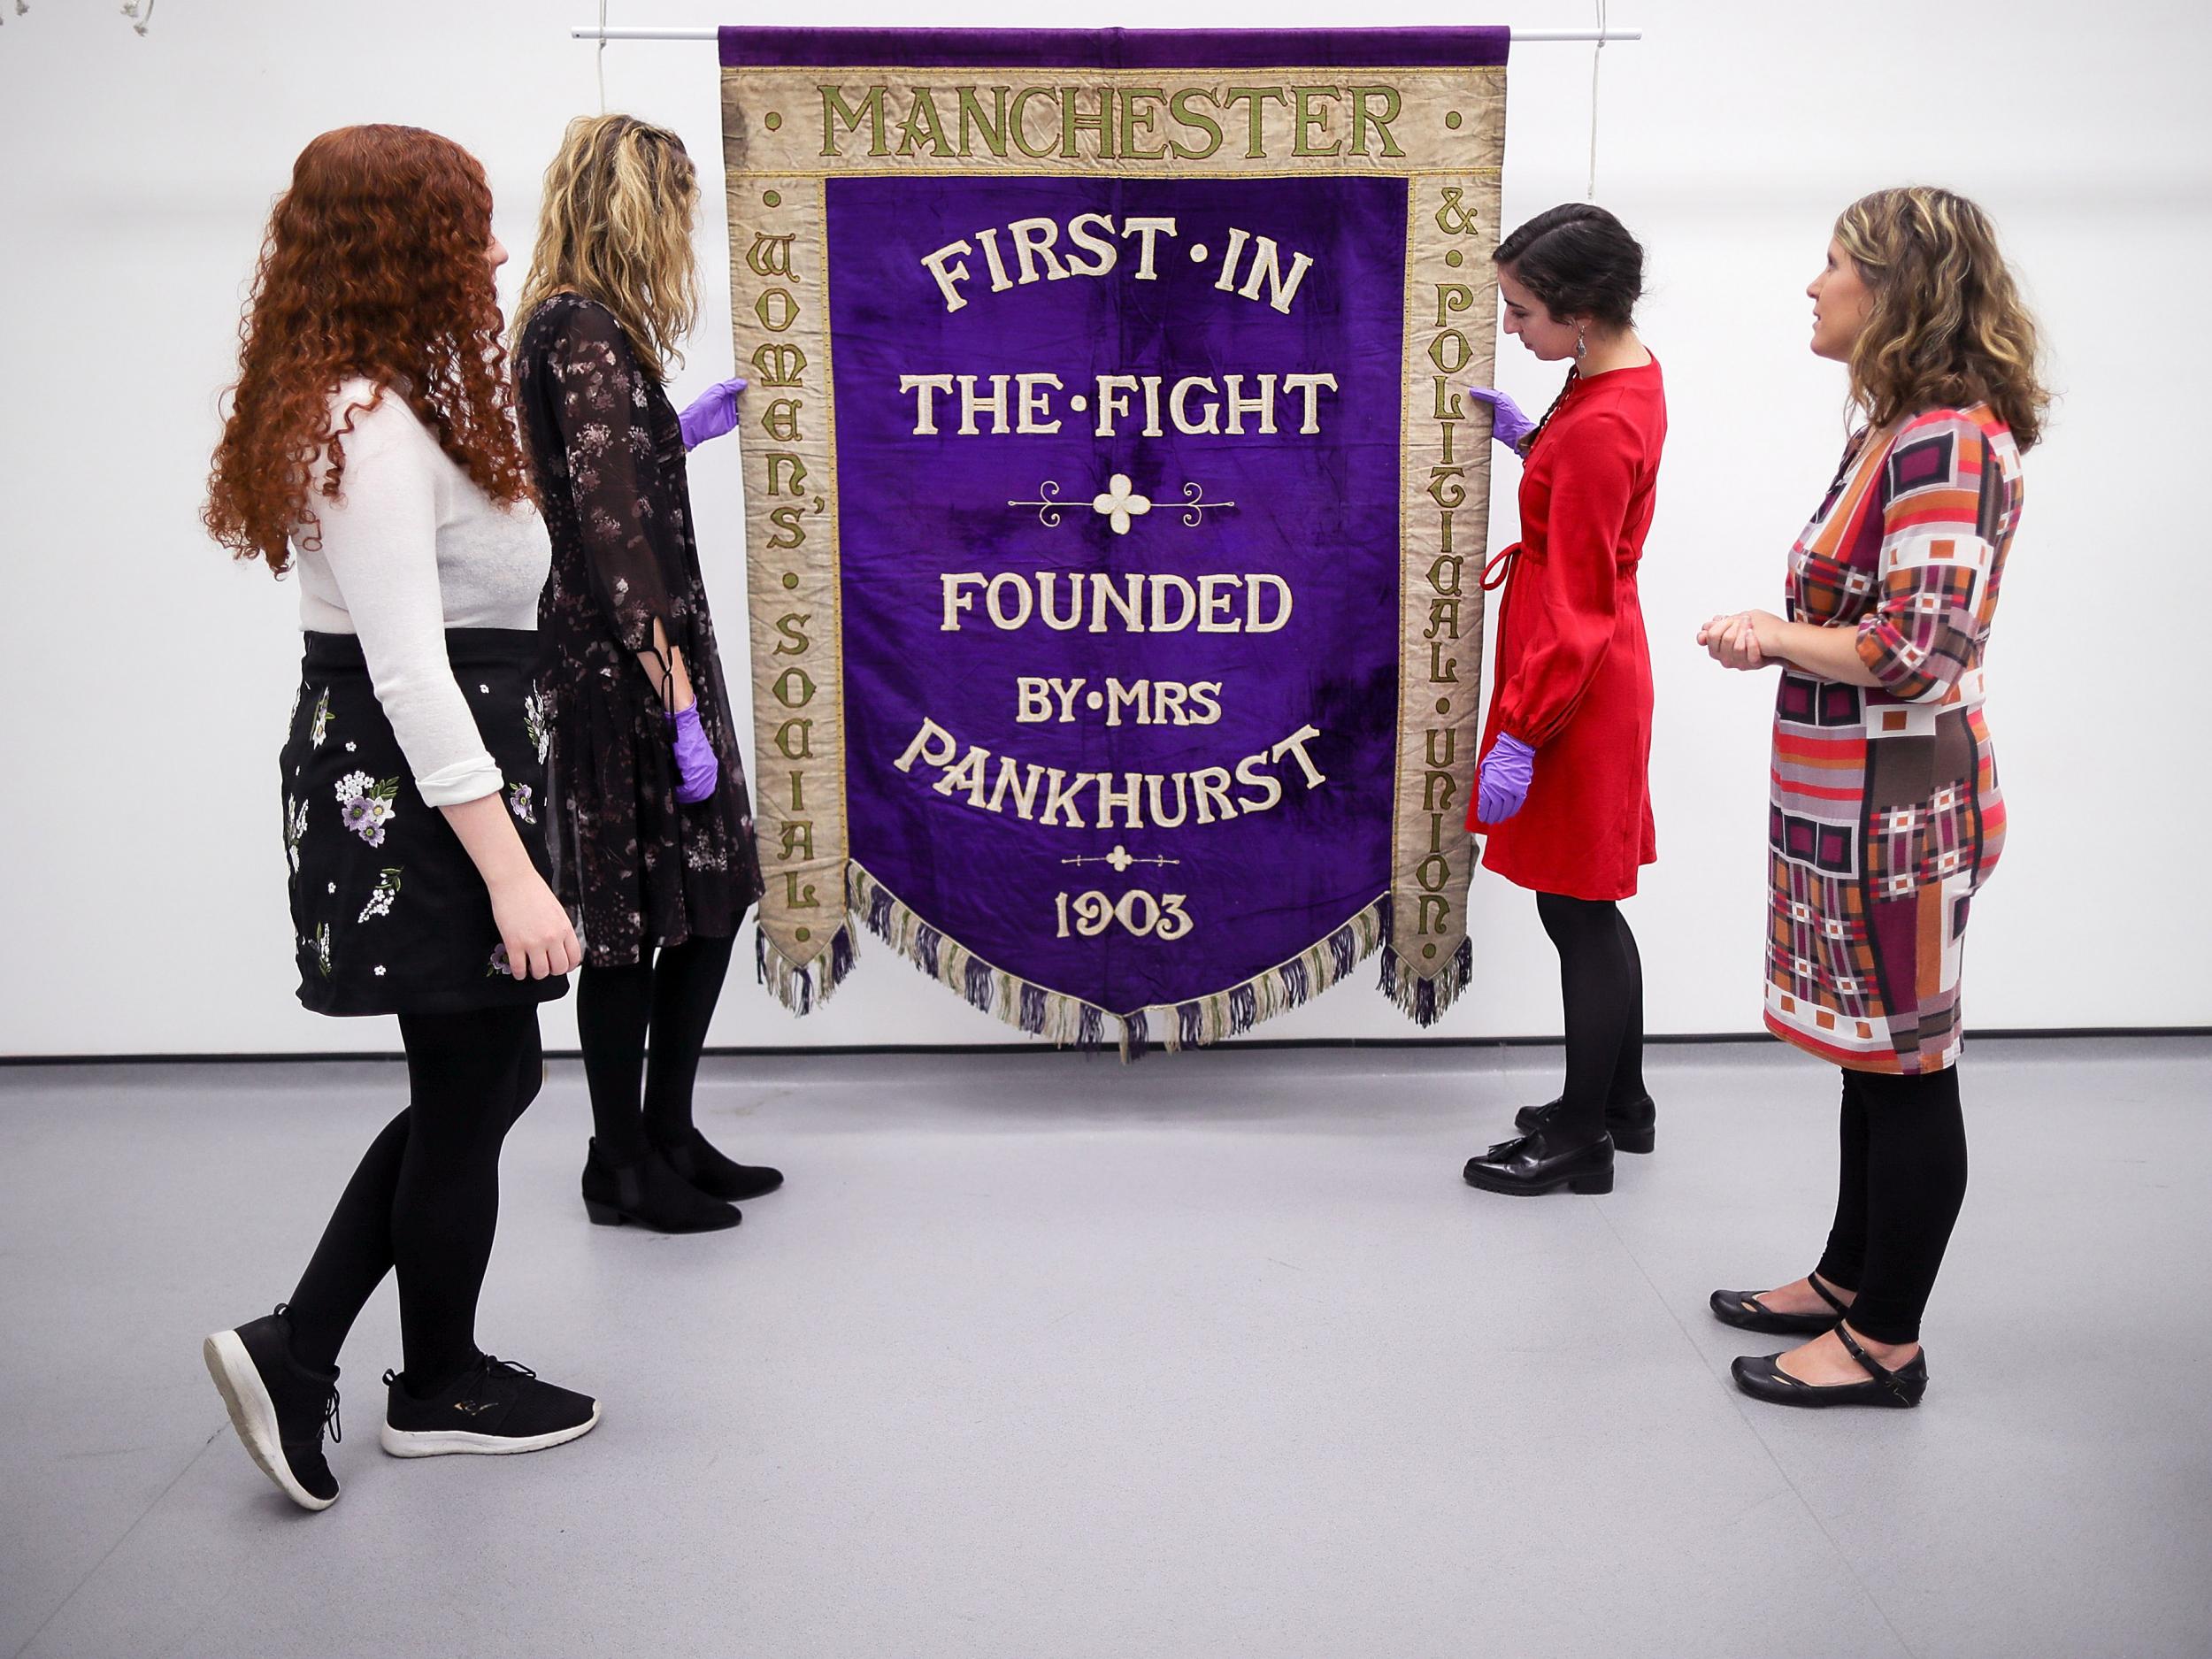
[495, 1406]
[279, 1407]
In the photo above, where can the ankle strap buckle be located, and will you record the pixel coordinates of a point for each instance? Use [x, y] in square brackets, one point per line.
[1874, 1368]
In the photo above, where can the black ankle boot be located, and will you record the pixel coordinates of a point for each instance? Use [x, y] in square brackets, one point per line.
[696, 1158]
[649, 1194]
[1538, 1164]
[1632, 1127]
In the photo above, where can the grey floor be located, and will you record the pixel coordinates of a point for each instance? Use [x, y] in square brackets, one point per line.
[1215, 1356]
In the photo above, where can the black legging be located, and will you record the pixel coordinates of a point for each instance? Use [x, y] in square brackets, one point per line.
[1902, 1180]
[1601, 987]
[673, 997]
[424, 1199]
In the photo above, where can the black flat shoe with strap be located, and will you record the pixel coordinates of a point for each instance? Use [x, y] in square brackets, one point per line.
[1763, 1379]
[1746, 1312]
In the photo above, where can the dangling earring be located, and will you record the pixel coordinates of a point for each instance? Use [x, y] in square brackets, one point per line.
[1582, 345]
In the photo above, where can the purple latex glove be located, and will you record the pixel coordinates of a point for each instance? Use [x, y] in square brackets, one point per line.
[698, 770]
[1508, 425]
[711, 413]
[1502, 781]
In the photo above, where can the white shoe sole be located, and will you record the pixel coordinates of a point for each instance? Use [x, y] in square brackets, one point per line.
[253, 1415]
[449, 1442]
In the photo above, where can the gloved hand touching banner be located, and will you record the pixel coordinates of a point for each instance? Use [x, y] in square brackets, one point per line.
[1508, 425]
[712, 414]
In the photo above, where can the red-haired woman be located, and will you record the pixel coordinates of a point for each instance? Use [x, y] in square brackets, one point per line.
[371, 445]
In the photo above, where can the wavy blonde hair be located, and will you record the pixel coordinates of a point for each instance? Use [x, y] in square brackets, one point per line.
[615, 227]
[1948, 328]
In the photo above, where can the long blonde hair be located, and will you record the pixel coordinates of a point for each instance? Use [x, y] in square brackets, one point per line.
[616, 227]
[1947, 327]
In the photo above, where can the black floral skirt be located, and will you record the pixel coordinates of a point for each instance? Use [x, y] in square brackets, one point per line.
[388, 911]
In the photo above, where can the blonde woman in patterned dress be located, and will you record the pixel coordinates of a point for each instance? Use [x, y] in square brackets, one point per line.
[1886, 817]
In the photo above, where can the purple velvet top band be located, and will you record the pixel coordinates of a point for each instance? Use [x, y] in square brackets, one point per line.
[1114, 49]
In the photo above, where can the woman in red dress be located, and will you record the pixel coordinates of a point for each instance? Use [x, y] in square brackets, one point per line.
[1562, 790]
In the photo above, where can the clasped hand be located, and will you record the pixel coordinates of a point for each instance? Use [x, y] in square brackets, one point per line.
[1745, 639]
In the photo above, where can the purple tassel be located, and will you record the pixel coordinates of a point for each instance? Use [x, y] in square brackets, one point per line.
[1190, 1024]
[1244, 1009]
[979, 984]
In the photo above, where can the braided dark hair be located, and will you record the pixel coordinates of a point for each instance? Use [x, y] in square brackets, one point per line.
[1578, 260]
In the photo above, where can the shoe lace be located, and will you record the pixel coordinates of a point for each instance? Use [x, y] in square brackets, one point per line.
[332, 1426]
[487, 1364]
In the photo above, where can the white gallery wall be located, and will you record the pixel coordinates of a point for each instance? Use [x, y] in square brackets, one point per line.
[144, 681]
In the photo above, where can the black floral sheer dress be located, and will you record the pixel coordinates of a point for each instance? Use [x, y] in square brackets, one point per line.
[635, 866]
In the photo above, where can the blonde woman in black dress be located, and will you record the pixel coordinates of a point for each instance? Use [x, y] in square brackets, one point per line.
[650, 825]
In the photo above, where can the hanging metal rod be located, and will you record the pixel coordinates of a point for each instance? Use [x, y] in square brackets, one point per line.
[593, 32]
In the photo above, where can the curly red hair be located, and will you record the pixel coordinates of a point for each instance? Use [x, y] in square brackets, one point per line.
[374, 264]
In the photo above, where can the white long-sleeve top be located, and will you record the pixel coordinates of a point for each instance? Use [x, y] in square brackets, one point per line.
[411, 548]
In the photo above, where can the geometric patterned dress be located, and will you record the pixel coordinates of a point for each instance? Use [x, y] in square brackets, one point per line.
[1886, 817]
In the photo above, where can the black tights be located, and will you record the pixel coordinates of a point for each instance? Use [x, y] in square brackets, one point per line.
[673, 997]
[1602, 986]
[1903, 1178]
[424, 1199]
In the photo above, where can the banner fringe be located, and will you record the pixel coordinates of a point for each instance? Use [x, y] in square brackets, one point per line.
[1069, 1022]
[1424, 1000]
[804, 987]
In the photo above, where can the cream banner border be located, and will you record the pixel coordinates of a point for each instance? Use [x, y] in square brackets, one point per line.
[786, 131]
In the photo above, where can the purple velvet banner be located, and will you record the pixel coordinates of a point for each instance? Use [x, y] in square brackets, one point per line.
[1081, 544]
[1305, 524]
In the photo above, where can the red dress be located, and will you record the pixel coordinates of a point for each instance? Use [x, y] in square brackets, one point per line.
[1573, 671]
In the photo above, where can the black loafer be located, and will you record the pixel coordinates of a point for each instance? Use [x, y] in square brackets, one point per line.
[1746, 1312]
[1763, 1379]
[1634, 1127]
[1532, 1164]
